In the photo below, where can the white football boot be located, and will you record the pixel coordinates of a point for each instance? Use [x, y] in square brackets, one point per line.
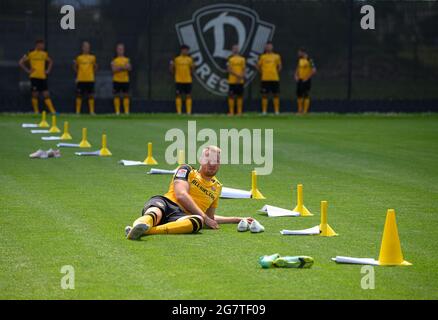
[137, 231]
[243, 225]
[256, 227]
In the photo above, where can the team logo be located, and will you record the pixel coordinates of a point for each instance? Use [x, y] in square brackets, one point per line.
[210, 35]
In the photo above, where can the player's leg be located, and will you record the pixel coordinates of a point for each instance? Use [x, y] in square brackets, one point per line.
[276, 93]
[240, 100]
[183, 225]
[90, 91]
[46, 95]
[231, 100]
[178, 98]
[300, 98]
[116, 99]
[264, 93]
[78, 102]
[188, 92]
[307, 86]
[126, 98]
[150, 218]
[34, 94]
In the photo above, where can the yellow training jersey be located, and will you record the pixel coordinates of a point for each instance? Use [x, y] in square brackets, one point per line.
[86, 65]
[237, 65]
[37, 60]
[204, 193]
[305, 67]
[183, 69]
[121, 76]
[268, 64]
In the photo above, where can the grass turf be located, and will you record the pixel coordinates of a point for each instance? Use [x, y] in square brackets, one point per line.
[72, 211]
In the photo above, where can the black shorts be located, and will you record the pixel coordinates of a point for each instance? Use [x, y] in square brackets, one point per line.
[303, 88]
[38, 85]
[183, 88]
[120, 87]
[85, 88]
[270, 87]
[171, 211]
[235, 89]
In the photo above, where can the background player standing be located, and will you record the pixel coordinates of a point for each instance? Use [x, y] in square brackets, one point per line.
[236, 78]
[40, 66]
[269, 65]
[182, 68]
[303, 76]
[85, 67]
[121, 66]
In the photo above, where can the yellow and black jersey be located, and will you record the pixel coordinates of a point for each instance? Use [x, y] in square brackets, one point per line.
[205, 193]
[237, 65]
[268, 64]
[37, 61]
[183, 69]
[86, 64]
[121, 76]
[304, 68]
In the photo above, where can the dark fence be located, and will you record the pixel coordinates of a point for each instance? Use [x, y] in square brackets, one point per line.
[391, 68]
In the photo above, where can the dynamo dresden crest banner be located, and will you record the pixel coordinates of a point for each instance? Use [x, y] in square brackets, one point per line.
[210, 34]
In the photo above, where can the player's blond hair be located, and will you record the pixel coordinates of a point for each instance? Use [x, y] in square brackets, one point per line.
[210, 154]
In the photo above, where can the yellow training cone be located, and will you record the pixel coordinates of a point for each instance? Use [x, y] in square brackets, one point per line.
[181, 157]
[84, 143]
[304, 212]
[66, 135]
[54, 128]
[43, 123]
[255, 192]
[326, 230]
[390, 250]
[150, 159]
[104, 152]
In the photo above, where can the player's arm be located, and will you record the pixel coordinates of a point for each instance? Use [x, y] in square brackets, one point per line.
[181, 189]
[230, 71]
[22, 64]
[128, 66]
[296, 74]
[279, 64]
[114, 68]
[49, 65]
[95, 66]
[259, 65]
[211, 213]
[172, 67]
[75, 66]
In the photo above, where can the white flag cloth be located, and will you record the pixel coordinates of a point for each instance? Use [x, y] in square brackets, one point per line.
[231, 193]
[351, 260]
[305, 232]
[91, 153]
[161, 171]
[39, 131]
[29, 125]
[51, 138]
[68, 145]
[278, 212]
[130, 163]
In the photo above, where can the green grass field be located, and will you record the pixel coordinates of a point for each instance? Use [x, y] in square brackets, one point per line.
[73, 210]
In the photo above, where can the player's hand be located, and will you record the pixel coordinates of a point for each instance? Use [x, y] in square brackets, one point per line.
[29, 71]
[249, 219]
[211, 223]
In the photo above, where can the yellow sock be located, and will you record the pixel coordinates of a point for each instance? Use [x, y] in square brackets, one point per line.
[300, 105]
[277, 104]
[239, 105]
[35, 105]
[117, 105]
[178, 103]
[149, 218]
[189, 105]
[126, 101]
[264, 104]
[91, 105]
[190, 225]
[49, 105]
[230, 105]
[306, 104]
[78, 105]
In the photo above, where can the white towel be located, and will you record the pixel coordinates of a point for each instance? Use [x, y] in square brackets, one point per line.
[130, 163]
[278, 212]
[29, 125]
[90, 153]
[305, 232]
[351, 260]
[51, 138]
[39, 131]
[231, 193]
[68, 145]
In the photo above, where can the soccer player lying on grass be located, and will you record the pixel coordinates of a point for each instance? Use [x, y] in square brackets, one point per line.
[189, 204]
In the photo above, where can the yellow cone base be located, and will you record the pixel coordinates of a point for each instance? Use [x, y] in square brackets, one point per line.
[327, 231]
[84, 144]
[256, 194]
[44, 124]
[54, 130]
[150, 161]
[104, 152]
[66, 136]
[304, 212]
[403, 263]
